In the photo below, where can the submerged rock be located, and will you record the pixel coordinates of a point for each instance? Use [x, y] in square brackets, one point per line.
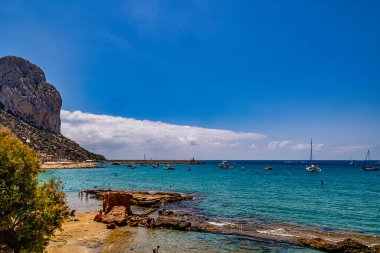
[346, 246]
[172, 224]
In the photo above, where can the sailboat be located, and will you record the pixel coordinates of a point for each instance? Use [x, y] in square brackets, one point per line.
[368, 168]
[312, 167]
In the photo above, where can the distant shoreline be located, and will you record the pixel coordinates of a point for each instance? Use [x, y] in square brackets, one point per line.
[69, 165]
[156, 161]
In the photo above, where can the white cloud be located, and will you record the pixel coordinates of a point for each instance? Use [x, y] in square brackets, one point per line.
[128, 138]
[274, 145]
[303, 146]
[253, 146]
[350, 149]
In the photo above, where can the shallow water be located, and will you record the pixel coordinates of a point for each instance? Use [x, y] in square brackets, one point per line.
[348, 200]
[175, 241]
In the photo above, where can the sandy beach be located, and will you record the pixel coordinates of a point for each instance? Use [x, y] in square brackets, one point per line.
[69, 165]
[83, 235]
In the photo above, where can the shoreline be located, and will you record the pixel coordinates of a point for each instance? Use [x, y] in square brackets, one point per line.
[86, 235]
[189, 222]
[94, 165]
[152, 162]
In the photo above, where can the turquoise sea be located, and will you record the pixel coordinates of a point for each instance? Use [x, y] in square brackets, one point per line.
[342, 198]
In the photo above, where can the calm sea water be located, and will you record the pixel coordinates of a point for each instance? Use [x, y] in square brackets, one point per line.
[348, 200]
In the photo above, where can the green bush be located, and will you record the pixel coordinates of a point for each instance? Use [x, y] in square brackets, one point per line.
[29, 214]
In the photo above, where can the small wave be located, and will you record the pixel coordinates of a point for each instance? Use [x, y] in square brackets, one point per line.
[277, 231]
[220, 224]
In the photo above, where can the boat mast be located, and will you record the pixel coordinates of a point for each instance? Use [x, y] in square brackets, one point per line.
[367, 156]
[311, 151]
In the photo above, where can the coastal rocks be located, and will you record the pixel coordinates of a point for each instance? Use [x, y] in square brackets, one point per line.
[118, 215]
[157, 199]
[134, 221]
[346, 246]
[111, 226]
[143, 198]
[25, 93]
[112, 199]
[173, 224]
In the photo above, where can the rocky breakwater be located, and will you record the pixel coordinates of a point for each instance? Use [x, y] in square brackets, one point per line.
[30, 107]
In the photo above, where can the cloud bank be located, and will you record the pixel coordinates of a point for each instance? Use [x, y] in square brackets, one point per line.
[128, 138]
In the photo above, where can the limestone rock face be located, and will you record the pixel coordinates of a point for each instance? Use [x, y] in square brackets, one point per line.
[25, 93]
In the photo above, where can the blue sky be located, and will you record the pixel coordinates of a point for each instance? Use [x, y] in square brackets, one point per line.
[284, 70]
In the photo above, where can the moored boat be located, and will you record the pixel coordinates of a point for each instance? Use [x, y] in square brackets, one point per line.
[352, 163]
[130, 166]
[312, 167]
[168, 167]
[225, 165]
[268, 168]
[368, 167]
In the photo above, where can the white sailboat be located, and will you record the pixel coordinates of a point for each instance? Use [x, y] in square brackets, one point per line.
[368, 168]
[312, 167]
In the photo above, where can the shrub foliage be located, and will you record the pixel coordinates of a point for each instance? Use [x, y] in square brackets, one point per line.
[29, 213]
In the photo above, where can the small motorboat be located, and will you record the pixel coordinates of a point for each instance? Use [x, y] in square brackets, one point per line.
[168, 167]
[352, 163]
[154, 166]
[225, 165]
[268, 168]
[131, 166]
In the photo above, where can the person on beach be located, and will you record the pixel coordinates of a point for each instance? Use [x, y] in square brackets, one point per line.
[99, 216]
[155, 250]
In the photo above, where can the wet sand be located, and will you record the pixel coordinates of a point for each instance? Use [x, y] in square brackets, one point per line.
[80, 236]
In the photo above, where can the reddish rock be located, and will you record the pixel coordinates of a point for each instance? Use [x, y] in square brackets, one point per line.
[117, 215]
[111, 199]
[111, 226]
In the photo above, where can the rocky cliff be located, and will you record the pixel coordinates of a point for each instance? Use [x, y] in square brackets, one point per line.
[46, 142]
[25, 93]
[30, 108]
